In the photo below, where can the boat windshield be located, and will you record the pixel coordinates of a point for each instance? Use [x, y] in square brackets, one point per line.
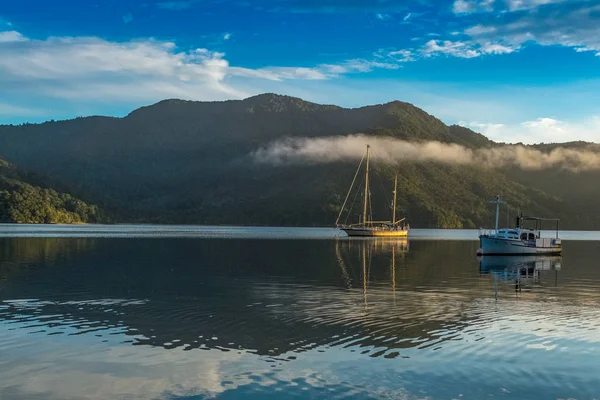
[507, 233]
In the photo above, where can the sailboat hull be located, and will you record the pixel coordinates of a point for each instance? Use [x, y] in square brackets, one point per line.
[366, 232]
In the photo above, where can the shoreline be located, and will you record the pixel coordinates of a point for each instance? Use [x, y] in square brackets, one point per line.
[239, 232]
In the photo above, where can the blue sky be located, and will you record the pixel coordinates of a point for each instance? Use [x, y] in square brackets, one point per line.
[516, 70]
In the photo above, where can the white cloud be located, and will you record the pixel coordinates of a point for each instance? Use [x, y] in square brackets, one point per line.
[383, 17]
[480, 30]
[482, 6]
[93, 68]
[546, 124]
[176, 5]
[402, 55]
[541, 130]
[471, 6]
[518, 5]
[462, 6]
[11, 36]
[496, 48]
[447, 47]
[82, 65]
[481, 125]
[10, 109]
[544, 22]
[358, 65]
[227, 36]
[281, 73]
[320, 72]
[406, 17]
[436, 47]
[576, 26]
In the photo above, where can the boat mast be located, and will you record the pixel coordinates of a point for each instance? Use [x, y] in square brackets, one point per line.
[395, 189]
[366, 189]
[498, 201]
[497, 212]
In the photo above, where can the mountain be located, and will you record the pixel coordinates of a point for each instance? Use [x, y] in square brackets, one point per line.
[187, 162]
[28, 198]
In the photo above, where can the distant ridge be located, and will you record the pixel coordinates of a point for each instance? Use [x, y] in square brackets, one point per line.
[179, 161]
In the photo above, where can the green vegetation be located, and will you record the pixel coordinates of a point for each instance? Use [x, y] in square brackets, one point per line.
[187, 162]
[22, 202]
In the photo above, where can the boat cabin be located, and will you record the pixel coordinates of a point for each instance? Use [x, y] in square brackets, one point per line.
[520, 232]
[517, 234]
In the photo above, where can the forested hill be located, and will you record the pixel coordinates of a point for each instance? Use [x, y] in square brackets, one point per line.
[186, 162]
[28, 198]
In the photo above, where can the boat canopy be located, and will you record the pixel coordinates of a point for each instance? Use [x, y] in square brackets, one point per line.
[525, 218]
[538, 222]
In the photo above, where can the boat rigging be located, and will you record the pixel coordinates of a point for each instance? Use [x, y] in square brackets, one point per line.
[370, 228]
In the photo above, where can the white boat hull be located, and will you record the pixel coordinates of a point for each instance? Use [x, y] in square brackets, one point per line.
[499, 246]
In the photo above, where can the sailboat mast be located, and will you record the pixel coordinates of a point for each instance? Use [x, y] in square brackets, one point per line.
[366, 188]
[394, 206]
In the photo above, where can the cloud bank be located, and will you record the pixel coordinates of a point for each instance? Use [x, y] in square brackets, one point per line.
[295, 151]
[548, 130]
[508, 26]
[90, 68]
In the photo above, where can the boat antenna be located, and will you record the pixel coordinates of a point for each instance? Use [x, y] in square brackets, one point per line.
[497, 201]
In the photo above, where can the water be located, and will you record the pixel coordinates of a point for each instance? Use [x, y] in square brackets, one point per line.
[228, 313]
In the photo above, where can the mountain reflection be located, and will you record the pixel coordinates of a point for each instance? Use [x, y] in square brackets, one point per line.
[271, 298]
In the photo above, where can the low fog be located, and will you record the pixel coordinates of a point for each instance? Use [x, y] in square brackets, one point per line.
[295, 151]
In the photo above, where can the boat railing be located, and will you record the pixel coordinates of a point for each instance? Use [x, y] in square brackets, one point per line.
[486, 232]
[374, 227]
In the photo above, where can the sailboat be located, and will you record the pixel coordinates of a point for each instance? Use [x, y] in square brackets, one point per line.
[366, 227]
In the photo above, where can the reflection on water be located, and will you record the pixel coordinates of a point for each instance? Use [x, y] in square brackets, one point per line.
[525, 271]
[165, 318]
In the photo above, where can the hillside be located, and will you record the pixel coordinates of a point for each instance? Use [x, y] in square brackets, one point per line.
[27, 198]
[187, 162]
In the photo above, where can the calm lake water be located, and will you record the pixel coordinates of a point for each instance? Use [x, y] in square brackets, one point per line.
[230, 313]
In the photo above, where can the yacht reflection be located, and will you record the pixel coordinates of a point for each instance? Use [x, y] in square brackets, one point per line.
[524, 270]
[379, 245]
[366, 249]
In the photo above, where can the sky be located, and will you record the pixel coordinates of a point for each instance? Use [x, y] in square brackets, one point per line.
[515, 70]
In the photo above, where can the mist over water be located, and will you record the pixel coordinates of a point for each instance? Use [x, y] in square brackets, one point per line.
[294, 151]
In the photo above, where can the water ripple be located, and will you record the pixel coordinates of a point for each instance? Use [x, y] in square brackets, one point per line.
[369, 330]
